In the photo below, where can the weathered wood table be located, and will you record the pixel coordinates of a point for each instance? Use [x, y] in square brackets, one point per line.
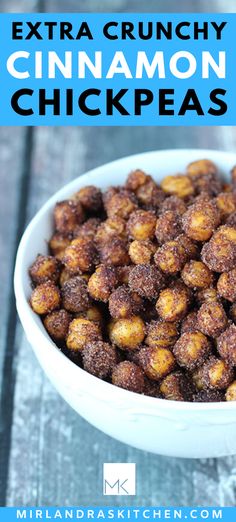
[48, 454]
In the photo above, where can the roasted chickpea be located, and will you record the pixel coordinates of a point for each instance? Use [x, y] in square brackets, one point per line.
[127, 333]
[102, 282]
[68, 214]
[207, 185]
[121, 204]
[137, 178]
[146, 280]
[226, 203]
[58, 244]
[175, 387]
[200, 221]
[212, 319]
[172, 304]
[191, 248]
[129, 376]
[173, 204]
[99, 358]
[161, 334]
[90, 198]
[207, 295]
[219, 254]
[156, 362]
[57, 324]
[231, 392]
[75, 296]
[190, 323]
[141, 224]
[150, 196]
[88, 229]
[114, 253]
[45, 298]
[215, 374]
[201, 167]
[124, 303]
[226, 345]
[226, 285]
[196, 274]
[80, 256]
[141, 252]
[45, 268]
[111, 228]
[178, 185]
[170, 257]
[191, 349]
[81, 332]
[168, 226]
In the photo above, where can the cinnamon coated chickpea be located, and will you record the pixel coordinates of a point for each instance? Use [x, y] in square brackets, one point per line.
[172, 304]
[80, 256]
[175, 387]
[129, 376]
[137, 178]
[226, 285]
[45, 298]
[226, 345]
[114, 227]
[215, 374]
[219, 254]
[141, 224]
[196, 274]
[150, 196]
[102, 282]
[124, 303]
[99, 358]
[191, 349]
[114, 253]
[57, 324]
[200, 221]
[156, 362]
[45, 268]
[212, 318]
[170, 257]
[90, 198]
[178, 185]
[161, 334]
[146, 280]
[226, 203]
[81, 331]
[67, 214]
[168, 226]
[141, 252]
[127, 333]
[201, 168]
[121, 204]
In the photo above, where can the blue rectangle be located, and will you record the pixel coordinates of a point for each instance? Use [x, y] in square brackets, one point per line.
[170, 92]
[115, 513]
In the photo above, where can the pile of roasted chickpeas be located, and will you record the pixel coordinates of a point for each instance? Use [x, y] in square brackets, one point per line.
[139, 287]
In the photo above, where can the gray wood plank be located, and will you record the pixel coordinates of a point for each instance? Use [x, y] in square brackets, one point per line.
[149, 6]
[63, 455]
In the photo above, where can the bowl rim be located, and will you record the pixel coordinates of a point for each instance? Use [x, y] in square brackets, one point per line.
[29, 319]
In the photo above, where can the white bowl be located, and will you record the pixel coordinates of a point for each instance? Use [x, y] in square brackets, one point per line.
[156, 425]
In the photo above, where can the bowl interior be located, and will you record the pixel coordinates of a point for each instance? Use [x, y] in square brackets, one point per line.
[34, 240]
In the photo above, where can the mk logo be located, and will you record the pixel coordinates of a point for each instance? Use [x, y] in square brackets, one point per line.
[119, 479]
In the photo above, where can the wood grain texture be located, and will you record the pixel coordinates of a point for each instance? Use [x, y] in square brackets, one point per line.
[56, 457]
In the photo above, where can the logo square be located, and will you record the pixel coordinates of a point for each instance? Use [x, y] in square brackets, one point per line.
[119, 478]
